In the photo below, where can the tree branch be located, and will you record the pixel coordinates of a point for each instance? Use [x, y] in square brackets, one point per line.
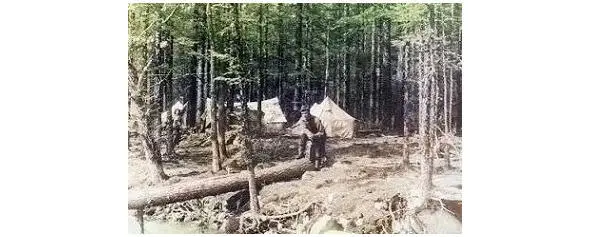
[140, 78]
[163, 22]
[263, 217]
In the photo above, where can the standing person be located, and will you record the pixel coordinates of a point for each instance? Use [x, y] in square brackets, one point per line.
[313, 131]
[178, 112]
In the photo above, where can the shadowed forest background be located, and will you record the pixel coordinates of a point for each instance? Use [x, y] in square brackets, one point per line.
[366, 57]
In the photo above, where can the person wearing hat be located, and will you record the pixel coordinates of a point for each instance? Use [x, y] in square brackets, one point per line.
[313, 131]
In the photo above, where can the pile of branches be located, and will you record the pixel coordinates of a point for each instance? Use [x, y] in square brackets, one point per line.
[207, 213]
[402, 219]
[275, 148]
[273, 221]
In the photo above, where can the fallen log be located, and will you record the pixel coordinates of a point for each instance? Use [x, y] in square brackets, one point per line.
[183, 191]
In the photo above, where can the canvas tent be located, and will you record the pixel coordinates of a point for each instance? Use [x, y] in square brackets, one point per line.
[273, 118]
[336, 121]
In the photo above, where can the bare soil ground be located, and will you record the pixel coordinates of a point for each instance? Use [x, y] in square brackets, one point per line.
[354, 189]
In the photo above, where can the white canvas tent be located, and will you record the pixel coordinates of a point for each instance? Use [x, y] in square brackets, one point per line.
[273, 118]
[336, 121]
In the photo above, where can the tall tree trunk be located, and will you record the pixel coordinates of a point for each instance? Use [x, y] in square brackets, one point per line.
[222, 120]
[200, 99]
[337, 79]
[165, 54]
[207, 61]
[200, 102]
[282, 77]
[434, 85]
[230, 99]
[405, 89]
[300, 55]
[248, 153]
[344, 79]
[266, 93]
[326, 73]
[351, 73]
[400, 111]
[451, 70]
[246, 131]
[307, 55]
[215, 164]
[346, 59]
[245, 111]
[433, 113]
[373, 74]
[238, 52]
[202, 84]
[448, 120]
[378, 75]
[387, 104]
[159, 85]
[341, 77]
[167, 88]
[201, 71]
[363, 79]
[445, 86]
[261, 73]
[425, 177]
[451, 97]
[458, 105]
[169, 70]
[193, 91]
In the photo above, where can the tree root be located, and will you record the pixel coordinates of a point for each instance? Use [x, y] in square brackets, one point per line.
[288, 214]
[401, 214]
[257, 219]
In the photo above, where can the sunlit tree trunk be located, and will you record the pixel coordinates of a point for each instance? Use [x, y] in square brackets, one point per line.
[426, 173]
[215, 164]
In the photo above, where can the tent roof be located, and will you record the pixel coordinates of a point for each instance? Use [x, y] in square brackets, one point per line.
[271, 109]
[329, 108]
[336, 121]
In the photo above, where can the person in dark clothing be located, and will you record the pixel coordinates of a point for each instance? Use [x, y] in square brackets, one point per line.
[313, 131]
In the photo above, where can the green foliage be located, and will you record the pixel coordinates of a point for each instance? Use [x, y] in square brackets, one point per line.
[346, 24]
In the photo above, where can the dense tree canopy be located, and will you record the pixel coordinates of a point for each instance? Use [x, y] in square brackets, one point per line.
[364, 56]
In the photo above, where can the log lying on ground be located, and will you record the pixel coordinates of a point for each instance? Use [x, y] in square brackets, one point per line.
[194, 189]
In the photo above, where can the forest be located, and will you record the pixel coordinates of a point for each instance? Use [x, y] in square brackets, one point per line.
[395, 68]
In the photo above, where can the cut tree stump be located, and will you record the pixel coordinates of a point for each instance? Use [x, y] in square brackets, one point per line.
[188, 190]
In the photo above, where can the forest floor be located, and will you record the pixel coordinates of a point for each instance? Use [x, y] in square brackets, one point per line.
[353, 190]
